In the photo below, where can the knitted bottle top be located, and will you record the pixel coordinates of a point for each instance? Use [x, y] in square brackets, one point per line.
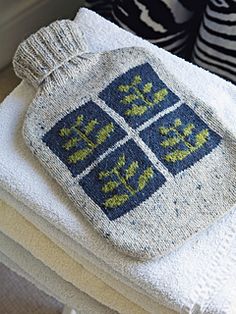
[49, 49]
[141, 157]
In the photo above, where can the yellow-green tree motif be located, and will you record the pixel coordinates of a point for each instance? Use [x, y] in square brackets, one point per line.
[143, 94]
[123, 179]
[80, 131]
[178, 136]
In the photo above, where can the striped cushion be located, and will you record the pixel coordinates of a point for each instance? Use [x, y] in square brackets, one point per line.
[215, 47]
[171, 25]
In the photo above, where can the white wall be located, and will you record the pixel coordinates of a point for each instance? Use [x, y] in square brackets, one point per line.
[19, 18]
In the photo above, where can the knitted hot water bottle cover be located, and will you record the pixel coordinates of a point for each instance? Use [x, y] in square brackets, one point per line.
[142, 158]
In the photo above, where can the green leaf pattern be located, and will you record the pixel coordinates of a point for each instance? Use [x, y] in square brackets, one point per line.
[110, 186]
[146, 96]
[145, 178]
[179, 136]
[116, 200]
[122, 177]
[131, 170]
[104, 133]
[82, 133]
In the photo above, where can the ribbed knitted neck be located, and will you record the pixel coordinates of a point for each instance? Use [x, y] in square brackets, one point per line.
[47, 50]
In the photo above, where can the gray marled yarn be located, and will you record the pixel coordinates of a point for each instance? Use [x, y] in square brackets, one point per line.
[44, 52]
[142, 158]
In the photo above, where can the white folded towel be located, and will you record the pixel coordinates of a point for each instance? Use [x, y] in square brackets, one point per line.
[11, 217]
[17, 228]
[220, 300]
[46, 280]
[186, 279]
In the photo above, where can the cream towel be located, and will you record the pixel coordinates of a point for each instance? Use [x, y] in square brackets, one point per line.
[81, 255]
[46, 280]
[16, 227]
[219, 295]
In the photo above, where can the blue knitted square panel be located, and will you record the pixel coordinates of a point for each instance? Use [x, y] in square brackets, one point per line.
[138, 95]
[122, 180]
[82, 136]
[180, 139]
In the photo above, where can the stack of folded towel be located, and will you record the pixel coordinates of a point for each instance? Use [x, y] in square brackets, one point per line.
[44, 238]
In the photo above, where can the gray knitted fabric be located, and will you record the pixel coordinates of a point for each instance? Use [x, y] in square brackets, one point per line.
[142, 158]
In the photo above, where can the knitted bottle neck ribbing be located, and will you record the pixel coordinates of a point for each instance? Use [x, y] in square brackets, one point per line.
[49, 50]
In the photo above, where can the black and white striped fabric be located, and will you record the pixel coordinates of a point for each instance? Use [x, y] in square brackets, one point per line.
[102, 7]
[215, 47]
[170, 24]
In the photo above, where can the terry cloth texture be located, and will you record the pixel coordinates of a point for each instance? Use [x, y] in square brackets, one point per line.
[195, 274]
[128, 143]
[49, 256]
[33, 270]
[218, 291]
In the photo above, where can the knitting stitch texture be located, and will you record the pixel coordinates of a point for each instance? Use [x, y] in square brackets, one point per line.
[146, 161]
